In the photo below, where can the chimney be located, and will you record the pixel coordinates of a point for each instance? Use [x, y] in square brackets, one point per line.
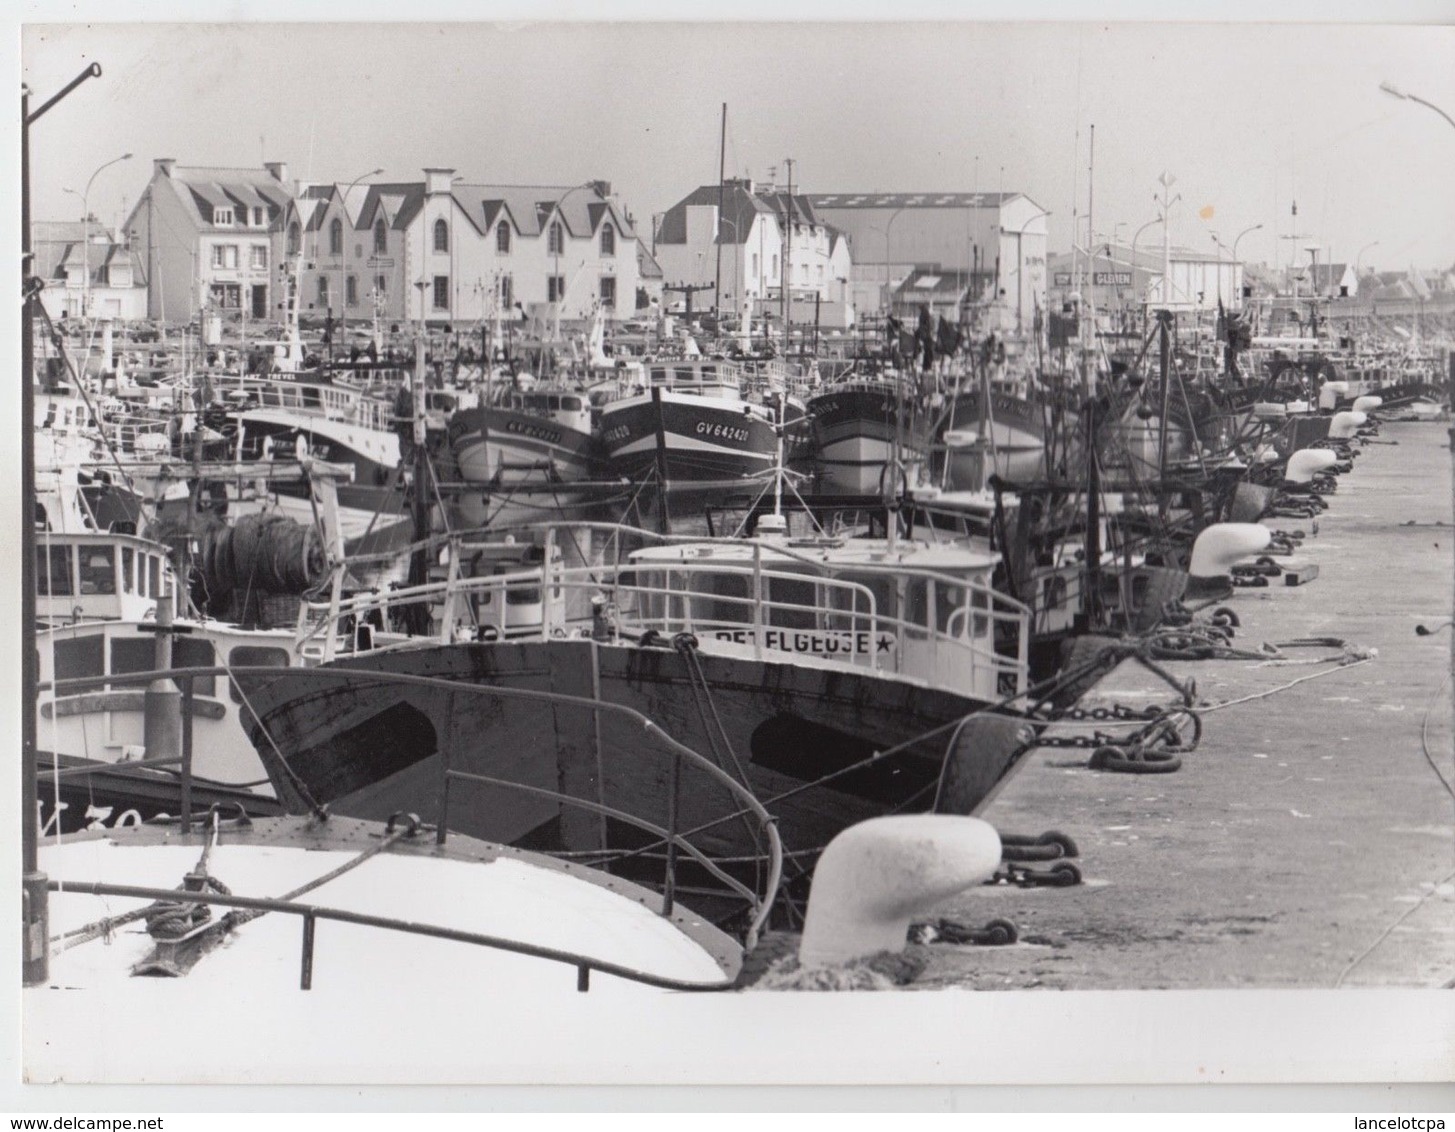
[163, 165]
[438, 180]
[279, 169]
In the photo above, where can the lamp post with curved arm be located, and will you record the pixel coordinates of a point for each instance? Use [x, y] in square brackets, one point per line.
[1020, 289]
[1236, 240]
[1359, 259]
[343, 294]
[889, 227]
[86, 231]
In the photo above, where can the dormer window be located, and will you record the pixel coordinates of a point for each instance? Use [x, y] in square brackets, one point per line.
[222, 217]
[441, 236]
[259, 219]
[502, 238]
[608, 240]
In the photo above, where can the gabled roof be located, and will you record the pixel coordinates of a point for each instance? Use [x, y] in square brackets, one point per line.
[740, 209]
[1326, 274]
[400, 201]
[74, 261]
[530, 208]
[647, 265]
[218, 187]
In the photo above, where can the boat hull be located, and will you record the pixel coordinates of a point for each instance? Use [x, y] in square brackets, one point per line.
[369, 747]
[702, 439]
[494, 445]
[855, 433]
[1015, 429]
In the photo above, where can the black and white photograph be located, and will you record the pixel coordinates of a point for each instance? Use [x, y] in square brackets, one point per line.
[877, 549]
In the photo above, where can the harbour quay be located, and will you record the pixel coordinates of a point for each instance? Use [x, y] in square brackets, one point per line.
[1307, 841]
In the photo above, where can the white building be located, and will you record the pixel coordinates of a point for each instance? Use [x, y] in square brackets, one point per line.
[998, 240]
[87, 271]
[1115, 279]
[445, 251]
[744, 246]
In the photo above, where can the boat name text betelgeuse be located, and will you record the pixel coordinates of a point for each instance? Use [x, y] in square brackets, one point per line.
[862, 643]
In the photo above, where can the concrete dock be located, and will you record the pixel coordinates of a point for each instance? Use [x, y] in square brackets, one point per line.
[1309, 842]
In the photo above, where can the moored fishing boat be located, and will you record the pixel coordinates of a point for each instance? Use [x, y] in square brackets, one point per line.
[861, 425]
[695, 417]
[829, 676]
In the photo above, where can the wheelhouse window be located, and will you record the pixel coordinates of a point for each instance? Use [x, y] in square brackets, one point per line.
[98, 570]
[502, 237]
[381, 237]
[441, 236]
[555, 238]
[53, 571]
[441, 292]
[608, 240]
[255, 656]
[336, 237]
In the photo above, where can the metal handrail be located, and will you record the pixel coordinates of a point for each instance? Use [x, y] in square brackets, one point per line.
[679, 751]
[312, 912]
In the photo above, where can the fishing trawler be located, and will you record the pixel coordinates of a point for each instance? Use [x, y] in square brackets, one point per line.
[829, 676]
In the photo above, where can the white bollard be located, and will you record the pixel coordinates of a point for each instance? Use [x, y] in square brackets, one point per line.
[1222, 544]
[1306, 463]
[1346, 424]
[875, 877]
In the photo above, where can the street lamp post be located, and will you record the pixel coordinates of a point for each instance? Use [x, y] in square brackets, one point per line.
[1236, 239]
[1359, 259]
[86, 232]
[343, 292]
[889, 227]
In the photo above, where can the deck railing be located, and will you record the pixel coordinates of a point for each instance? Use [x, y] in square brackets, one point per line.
[660, 744]
[555, 600]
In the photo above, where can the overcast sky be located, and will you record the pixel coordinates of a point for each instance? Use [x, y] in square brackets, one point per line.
[1248, 117]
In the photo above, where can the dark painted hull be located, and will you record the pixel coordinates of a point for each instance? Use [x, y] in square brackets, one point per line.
[111, 796]
[369, 748]
[705, 439]
[855, 433]
[499, 445]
